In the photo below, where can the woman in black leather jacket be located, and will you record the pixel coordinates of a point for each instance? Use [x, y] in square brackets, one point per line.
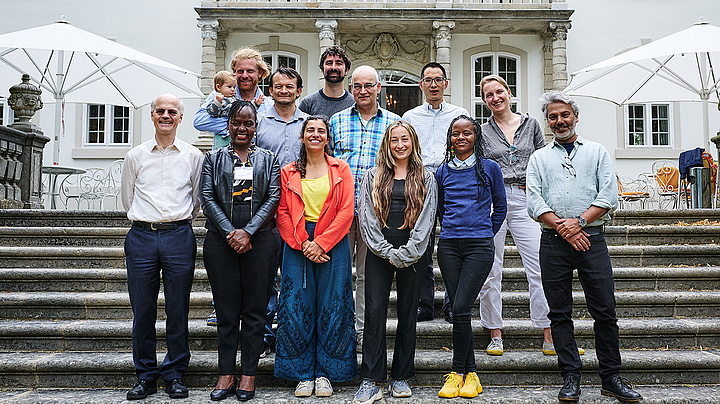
[240, 192]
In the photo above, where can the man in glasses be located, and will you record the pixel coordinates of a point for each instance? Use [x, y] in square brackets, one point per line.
[357, 132]
[160, 192]
[571, 191]
[332, 98]
[431, 120]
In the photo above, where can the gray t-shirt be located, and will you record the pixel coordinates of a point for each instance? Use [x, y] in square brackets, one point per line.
[318, 103]
[528, 138]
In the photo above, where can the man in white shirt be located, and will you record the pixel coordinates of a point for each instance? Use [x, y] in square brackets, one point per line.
[159, 190]
[431, 120]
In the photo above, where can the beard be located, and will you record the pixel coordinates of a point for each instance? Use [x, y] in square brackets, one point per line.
[334, 79]
[569, 134]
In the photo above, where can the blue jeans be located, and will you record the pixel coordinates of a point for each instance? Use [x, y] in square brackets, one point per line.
[465, 264]
[558, 260]
[147, 253]
[316, 333]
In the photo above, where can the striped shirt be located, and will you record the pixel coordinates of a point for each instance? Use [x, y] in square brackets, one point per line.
[358, 143]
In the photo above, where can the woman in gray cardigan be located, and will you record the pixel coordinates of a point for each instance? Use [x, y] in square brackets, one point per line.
[398, 201]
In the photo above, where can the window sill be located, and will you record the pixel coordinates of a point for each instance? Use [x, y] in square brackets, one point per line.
[650, 154]
[100, 152]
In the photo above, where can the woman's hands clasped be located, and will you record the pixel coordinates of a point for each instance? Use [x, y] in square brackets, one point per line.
[314, 252]
[239, 240]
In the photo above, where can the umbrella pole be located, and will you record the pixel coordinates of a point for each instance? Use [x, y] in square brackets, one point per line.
[58, 106]
[706, 121]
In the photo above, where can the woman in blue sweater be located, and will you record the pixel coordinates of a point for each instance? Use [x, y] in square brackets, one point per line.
[471, 208]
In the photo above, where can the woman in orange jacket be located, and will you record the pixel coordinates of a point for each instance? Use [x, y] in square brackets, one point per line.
[316, 335]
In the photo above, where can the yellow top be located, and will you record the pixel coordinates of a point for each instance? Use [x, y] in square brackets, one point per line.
[314, 194]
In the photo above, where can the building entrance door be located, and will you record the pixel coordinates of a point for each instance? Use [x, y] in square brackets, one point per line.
[400, 91]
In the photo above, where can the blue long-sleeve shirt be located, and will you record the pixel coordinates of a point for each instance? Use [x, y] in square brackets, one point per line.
[568, 190]
[466, 208]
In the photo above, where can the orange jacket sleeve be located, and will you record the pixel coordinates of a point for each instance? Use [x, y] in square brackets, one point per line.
[284, 217]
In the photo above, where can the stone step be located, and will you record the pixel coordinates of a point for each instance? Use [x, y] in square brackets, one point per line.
[663, 216]
[113, 257]
[518, 334]
[115, 236]
[116, 305]
[115, 369]
[343, 394]
[514, 279]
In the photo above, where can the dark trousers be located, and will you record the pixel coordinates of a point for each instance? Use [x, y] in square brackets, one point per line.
[465, 264]
[147, 253]
[558, 259]
[241, 285]
[427, 292]
[269, 336]
[379, 276]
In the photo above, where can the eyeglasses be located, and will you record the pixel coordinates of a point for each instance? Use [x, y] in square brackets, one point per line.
[437, 80]
[568, 164]
[161, 111]
[513, 156]
[366, 86]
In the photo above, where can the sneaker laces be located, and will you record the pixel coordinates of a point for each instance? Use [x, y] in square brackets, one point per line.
[472, 377]
[453, 379]
[322, 383]
[305, 384]
[366, 386]
[625, 382]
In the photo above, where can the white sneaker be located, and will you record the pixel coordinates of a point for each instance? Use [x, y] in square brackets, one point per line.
[304, 388]
[359, 343]
[549, 349]
[400, 388]
[495, 347]
[368, 393]
[323, 388]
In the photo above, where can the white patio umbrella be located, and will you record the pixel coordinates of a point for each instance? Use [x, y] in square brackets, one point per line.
[73, 65]
[678, 67]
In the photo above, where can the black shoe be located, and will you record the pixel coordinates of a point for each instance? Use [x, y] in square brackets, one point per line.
[424, 315]
[244, 395]
[176, 389]
[570, 390]
[142, 389]
[621, 389]
[448, 316]
[221, 394]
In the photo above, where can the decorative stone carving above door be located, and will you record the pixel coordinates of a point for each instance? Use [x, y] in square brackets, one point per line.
[386, 47]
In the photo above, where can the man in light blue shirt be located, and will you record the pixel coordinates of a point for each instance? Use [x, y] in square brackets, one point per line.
[571, 190]
[431, 120]
[279, 126]
[249, 69]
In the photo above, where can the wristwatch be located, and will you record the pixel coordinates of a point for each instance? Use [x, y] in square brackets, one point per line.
[581, 221]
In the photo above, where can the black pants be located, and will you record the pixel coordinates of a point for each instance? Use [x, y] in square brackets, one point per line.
[147, 253]
[427, 292]
[558, 259]
[465, 264]
[379, 276]
[241, 285]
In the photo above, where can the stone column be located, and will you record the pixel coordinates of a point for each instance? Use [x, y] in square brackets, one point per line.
[547, 62]
[209, 32]
[559, 30]
[220, 47]
[442, 38]
[326, 33]
[22, 146]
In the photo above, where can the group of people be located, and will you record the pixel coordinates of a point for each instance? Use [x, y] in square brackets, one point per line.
[308, 188]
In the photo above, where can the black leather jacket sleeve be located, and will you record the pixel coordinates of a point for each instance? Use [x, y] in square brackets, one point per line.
[266, 195]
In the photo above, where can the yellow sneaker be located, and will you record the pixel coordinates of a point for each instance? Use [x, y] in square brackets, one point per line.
[549, 349]
[472, 386]
[453, 383]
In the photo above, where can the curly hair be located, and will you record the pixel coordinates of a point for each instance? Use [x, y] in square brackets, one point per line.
[477, 147]
[301, 161]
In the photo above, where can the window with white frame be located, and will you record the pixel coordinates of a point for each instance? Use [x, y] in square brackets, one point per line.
[648, 125]
[505, 65]
[107, 125]
[2, 113]
[275, 60]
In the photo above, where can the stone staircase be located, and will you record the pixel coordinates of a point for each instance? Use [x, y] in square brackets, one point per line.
[65, 317]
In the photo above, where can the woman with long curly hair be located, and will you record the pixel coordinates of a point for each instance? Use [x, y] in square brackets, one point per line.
[316, 335]
[471, 208]
[398, 200]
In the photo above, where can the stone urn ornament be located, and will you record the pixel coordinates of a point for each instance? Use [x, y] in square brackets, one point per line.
[25, 99]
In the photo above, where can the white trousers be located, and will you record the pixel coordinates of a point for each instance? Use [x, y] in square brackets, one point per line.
[526, 234]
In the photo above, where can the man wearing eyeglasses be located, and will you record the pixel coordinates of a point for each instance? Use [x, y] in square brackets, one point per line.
[160, 192]
[357, 132]
[431, 120]
[571, 191]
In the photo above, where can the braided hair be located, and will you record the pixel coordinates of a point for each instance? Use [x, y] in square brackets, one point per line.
[477, 147]
[301, 161]
[237, 105]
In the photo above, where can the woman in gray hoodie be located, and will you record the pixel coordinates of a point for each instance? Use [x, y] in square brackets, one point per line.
[398, 201]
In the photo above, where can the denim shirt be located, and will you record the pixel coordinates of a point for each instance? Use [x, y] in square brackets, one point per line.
[552, 187]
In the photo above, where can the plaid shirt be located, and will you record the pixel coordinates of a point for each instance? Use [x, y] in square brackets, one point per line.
[358, 144]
